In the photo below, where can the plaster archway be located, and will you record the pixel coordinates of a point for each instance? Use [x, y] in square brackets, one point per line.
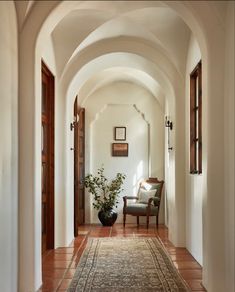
[208, 38]
[130, 74]
[84, 73]
[170, 91]
[124, 100]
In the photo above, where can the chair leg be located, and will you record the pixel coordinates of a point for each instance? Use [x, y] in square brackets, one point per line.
[147, 221]
[124, 219]
[157, 221]
[138, 221]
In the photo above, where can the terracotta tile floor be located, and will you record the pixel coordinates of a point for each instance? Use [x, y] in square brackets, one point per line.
[59, 265]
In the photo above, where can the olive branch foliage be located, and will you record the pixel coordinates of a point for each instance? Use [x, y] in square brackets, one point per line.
[105, 193]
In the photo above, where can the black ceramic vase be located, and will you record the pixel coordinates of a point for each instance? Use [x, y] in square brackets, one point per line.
[107, 218]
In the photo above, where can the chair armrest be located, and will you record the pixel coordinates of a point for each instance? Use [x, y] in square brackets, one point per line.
[150, 202]
[130, 197]
[155, 200]
[125, 198]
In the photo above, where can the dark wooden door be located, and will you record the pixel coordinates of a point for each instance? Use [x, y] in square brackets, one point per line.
[47, 145]
[79, 167]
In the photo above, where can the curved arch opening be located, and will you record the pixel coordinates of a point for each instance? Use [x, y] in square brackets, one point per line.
[163, 71]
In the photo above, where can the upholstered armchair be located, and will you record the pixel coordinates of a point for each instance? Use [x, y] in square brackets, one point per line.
[146, 203]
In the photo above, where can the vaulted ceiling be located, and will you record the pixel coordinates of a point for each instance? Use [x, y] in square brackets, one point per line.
[153, 25]
[128, 38]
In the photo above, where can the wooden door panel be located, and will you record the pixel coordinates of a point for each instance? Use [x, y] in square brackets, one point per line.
[44, 94]
[81, 161]
[76, 171]
[81, 147]
[81, 174]
[79, 167]
[47, 159]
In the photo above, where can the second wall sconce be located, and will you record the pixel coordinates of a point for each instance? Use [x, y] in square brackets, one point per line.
[75, 121]
[168, 123]
[169, 126]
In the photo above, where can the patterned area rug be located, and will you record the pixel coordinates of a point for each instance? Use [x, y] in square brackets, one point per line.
[126, 264]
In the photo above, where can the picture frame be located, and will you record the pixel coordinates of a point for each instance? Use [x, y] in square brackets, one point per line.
[120, 149]
[120, 133]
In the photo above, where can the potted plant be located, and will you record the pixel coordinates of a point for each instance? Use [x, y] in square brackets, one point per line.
[105, 194]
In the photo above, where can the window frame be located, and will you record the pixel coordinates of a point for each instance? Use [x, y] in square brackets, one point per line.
[196, 120]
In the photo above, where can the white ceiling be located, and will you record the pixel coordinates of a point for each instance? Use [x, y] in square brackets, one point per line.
[122, 74]
[90, 23]
[158, 25]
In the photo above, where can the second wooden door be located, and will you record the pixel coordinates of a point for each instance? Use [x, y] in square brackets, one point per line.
[79, 167]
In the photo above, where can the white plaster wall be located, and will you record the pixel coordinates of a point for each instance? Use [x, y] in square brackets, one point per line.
[48, 54]
[194, 183]
[120, 97]
[69, 173]
[135, 166]
[229, 147]
[8, 148]
[214, 278]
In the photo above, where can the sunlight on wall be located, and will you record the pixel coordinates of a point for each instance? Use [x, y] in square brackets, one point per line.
[138, 177]
[140, 170]
[135, 185]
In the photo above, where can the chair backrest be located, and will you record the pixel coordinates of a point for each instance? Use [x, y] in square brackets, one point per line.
[153, 183]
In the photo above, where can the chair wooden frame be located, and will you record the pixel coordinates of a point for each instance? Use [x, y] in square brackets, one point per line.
[147, 213]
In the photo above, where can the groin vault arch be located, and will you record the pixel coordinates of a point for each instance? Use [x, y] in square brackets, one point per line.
[37, 27]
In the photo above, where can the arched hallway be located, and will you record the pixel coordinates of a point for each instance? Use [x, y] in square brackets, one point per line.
[118, 57]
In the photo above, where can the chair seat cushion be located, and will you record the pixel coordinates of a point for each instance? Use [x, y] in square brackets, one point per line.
[139, 208]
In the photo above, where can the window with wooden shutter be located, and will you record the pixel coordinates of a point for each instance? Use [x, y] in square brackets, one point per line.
[196, 120]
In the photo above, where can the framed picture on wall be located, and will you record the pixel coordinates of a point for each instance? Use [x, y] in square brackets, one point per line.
[120, 149]
[120, 133]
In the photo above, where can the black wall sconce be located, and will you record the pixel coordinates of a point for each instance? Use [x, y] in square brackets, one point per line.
[169, 126]
[168, 123]
[75, 121]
